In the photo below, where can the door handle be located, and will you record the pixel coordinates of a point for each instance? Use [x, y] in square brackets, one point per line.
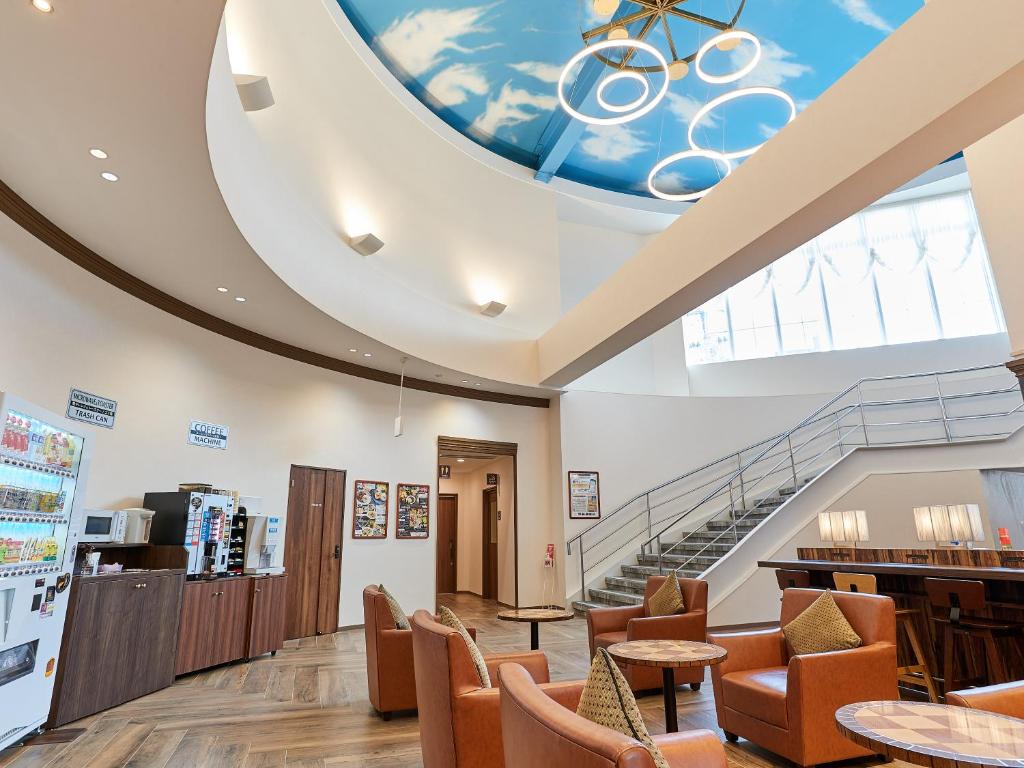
[451, 553]
[337, 552]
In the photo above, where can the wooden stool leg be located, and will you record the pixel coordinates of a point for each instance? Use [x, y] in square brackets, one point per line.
[996, 668]
[922, 662]
[948, 655]
[973, 675]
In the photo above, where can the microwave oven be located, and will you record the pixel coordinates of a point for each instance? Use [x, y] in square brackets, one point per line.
[103, 526]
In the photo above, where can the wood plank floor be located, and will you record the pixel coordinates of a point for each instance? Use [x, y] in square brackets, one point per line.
[308, 708]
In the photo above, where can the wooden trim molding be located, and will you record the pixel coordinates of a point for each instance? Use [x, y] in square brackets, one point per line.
[44, 230]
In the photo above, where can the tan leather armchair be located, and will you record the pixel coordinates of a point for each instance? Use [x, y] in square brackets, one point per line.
[389, 666]
[607, 626]
[1003, 699]
[787, 704]
[460, 722]
[539, 731]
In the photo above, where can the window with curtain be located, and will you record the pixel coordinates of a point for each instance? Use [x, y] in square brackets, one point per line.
[892, 274]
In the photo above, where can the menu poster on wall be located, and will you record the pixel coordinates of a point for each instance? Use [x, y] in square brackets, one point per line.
[584, 495]
[370, 509]
[92, 409]
[413, 511]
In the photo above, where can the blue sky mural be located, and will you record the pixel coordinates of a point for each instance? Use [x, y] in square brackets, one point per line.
[490, 70]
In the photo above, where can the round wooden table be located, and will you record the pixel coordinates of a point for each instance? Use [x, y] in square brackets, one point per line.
[934, 735]
[536, 616]
[670, 655]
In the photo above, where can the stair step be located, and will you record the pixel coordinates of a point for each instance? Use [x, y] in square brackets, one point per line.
[614, 596]
[726, 525]
[626, 584]
[698, 564]
[584, 606]
[692, 547]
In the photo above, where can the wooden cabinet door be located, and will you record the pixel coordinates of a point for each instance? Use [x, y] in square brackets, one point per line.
[333, 512]
[266, 633]
[230, 632]
[156, 608]
[199, 609]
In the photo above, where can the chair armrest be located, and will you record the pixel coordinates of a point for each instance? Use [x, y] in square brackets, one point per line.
[394, 641]
[750, 650]
[601, 620]
[820, 683]
[567, 693]
[692, 749]
[1003, 699]
[682, 626]
[535, 662]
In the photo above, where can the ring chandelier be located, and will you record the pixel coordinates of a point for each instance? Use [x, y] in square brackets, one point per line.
[645, 102]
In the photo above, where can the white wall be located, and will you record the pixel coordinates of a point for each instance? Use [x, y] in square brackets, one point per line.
[64, 328]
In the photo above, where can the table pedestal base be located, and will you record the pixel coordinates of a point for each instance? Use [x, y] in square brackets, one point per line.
[668, 683]
[534, 636]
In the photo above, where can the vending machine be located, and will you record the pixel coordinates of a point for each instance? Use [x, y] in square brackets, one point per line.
[201, 523]
[43, 465]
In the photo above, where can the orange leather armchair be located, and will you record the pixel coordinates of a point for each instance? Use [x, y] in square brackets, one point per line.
[1003, 699]
[460, 722]
[538, 730]
[389, 666]
[607, 626]
[786, 703]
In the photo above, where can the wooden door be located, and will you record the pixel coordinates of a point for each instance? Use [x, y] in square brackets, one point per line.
[490, 543]
[312, 553]
[266, 634]
[447, 543]
[332, 514]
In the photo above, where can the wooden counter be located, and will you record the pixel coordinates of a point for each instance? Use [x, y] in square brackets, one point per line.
[915, 570]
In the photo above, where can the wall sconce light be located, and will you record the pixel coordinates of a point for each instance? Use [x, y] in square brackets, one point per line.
[492, 308]
[847, 527]
[254, 91]
[367, 244]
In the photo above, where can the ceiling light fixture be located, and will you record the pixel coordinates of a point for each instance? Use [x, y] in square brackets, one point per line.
[367, 244]
[492, 308]
[678, 69]
[240, 299]
[47, 7]
[746, 69]
[254, 92]
[461, 461]
[222, 289]
[637, 45]
[465, 381]
[618, 33]
[687, 197]
[108, 176]
[99, 154]
[645, 90]
[353, 350]
[605, 7]
[756, 90]
[367, 354]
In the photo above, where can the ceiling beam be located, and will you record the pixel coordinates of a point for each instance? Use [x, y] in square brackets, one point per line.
[940, 82]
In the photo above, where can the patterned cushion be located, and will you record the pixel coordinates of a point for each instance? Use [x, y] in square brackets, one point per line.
[668, 600]
[449, 619]
[608, 701]
[820, 628]
[401, 620]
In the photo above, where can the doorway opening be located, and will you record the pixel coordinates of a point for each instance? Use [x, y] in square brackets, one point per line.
[312, 550]
[478, 542]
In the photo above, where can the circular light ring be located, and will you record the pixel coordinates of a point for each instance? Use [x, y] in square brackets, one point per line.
[628, 106]
[756, 90]
[708, 154]
[601, 46]
[746, 69]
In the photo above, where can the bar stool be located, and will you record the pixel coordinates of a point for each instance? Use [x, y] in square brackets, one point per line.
[793, 579]
[905, 617]
[956, 596]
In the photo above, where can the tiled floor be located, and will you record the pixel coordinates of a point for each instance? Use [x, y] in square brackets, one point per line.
[308, 708]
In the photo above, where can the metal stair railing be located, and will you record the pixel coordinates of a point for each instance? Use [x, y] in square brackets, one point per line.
[934, 407]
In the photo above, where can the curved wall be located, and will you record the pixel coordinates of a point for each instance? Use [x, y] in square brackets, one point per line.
[65, 328]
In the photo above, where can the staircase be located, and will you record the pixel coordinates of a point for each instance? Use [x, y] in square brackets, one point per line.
[689, 523]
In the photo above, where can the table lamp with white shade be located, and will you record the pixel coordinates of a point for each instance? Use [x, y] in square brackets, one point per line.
[847, 527]
[949, 523]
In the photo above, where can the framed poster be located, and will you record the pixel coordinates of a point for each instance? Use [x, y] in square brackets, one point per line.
[584, 495]
[413, 520]
[370, 509]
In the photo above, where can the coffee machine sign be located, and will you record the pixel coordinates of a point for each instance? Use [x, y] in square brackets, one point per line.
[207, 435]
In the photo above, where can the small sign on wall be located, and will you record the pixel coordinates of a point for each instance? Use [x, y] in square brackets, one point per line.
[92, 409]
[207, 435]
[444, 471]
[492, 478]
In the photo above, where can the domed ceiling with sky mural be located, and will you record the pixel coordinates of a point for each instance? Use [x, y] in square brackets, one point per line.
[662, 78]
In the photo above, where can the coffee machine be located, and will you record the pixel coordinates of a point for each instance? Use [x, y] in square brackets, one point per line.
[264, 538]
[198, 521]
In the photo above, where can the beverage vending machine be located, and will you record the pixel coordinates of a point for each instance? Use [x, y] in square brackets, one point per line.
[43, 466]
[199, 521]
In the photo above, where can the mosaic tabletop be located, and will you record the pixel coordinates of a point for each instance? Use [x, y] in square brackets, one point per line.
[934, 734]
[668, 653]
[536, 614]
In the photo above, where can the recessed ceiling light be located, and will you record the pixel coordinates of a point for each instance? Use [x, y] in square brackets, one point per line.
[465, 381]
[438, 375]
[108, 176]
[353, 350]
[222, 289]
[461, 461]
[99, 154]
[476, 383]
[43, 5]
[240, 299]
[367, 354]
